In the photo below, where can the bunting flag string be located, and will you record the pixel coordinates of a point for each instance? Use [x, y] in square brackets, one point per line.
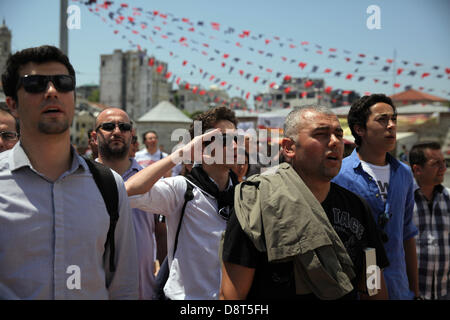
[183, 83]
[291, 43]
[265, 73]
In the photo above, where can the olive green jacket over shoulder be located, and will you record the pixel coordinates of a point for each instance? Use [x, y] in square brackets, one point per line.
[283, 218]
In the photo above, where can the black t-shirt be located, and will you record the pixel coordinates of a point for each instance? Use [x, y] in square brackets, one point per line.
[350, 217]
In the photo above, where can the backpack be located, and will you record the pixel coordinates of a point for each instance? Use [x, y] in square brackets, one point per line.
[163, 273]
[104, 179]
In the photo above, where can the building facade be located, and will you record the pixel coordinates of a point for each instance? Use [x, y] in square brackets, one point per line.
[129, 81]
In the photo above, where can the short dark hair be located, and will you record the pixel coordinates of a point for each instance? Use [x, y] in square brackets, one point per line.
[360, 112]
[147, 132]
[417, 154]
[211, 117]
[38, 55]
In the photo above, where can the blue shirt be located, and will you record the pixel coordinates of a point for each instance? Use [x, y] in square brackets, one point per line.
[399, 205]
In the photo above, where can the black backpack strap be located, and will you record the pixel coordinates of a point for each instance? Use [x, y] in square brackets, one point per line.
[188, 196]
[106, 183]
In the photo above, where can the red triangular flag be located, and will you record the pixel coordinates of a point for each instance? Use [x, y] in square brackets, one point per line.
[302, 65]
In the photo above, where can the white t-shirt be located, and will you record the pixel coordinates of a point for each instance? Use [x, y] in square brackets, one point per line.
[381, 176]
[195, 272]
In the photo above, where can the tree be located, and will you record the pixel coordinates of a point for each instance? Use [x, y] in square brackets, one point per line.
[94, 96]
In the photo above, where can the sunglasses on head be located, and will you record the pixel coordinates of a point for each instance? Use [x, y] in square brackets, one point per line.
[37, 83]
[110, 126]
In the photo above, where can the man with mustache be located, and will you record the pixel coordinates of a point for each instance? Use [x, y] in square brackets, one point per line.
[387, 185]
[9, 129]
[113, 136]
[53, 219]
[432, 218]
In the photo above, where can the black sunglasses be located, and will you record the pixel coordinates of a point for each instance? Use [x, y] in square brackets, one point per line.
[110, 126]
[225, 138]
[37, 83]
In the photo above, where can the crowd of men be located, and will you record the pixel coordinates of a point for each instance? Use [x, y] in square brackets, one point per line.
[203, 227]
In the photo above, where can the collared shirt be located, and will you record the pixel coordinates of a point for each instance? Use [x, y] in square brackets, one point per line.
[399, 206]
[144, 227]
[433, 242]
[52, 234]
[195, 271]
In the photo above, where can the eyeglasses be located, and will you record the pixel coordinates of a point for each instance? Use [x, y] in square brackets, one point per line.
[37, 83]
[110, 126]
[9, 135]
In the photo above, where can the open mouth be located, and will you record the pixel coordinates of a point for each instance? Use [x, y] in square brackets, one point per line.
[52, 110]
[332, 156]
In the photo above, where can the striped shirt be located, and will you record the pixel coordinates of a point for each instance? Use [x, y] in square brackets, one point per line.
[433, 242]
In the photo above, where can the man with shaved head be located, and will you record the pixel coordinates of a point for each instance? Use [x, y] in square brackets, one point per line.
[113, 135]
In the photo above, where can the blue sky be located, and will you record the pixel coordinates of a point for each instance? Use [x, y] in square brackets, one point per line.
[417, 30]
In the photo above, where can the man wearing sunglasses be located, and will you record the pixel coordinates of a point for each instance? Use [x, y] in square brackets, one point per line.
[432, 217]
[9, 129]
[194, 269]
[113, 136]
[387, 185]
[54, 225]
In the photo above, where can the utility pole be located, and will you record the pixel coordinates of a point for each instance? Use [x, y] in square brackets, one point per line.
[63, 33]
